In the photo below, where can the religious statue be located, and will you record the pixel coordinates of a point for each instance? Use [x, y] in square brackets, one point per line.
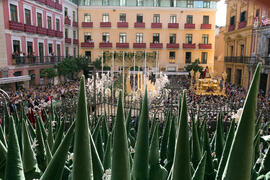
[206, 73]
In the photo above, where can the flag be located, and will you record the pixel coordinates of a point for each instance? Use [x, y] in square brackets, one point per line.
[266, 22]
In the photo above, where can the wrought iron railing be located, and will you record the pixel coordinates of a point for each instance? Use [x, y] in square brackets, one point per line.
[35, 60]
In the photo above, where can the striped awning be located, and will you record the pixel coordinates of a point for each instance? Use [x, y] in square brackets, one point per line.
[14, 79]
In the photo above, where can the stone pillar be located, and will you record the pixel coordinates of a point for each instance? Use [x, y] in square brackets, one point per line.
[267, 85]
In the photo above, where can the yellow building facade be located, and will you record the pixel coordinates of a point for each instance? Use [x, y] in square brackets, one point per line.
[219, 51]
[178, 31]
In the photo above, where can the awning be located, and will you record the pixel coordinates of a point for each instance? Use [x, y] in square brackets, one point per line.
[14, 79]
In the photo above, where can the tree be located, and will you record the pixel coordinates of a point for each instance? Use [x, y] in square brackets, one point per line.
[195, 66]
[48, 73]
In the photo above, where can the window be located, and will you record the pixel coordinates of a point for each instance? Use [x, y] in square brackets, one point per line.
[58, 50]
[105, 2]
[232, 51]
[190, 3]
[67, 52]
[206, 4]
[139, 2]
[87, 17]
[139, 38]
[172, 3]
[39, 19]
[29, 48]
[88, 55]
[122, 17]
[173, 19]
[50, 49]
[242, 48]
[40, 50]
[74, 35]
[13, 13]
[105, 17]
[172, 38]
[123, 3]
[156, 18]
[189, 19]
[205, 19]
[74, 16]
[57, 24]
[87, 37]
[16, 46]
[243, 16]
[257, 12]
[106, 37]
[205, 38]
[189, 38]
[49, 22]
[232, 20]
[156, 3]
[139, 18]
[204, 58]
[156, 38]
[27, 14]
[66, 12]
[66, 33]
[74, 51]
[172, 54]
[188, 58]
[122, 37]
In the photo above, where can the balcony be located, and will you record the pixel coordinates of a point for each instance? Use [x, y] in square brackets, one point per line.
[41, 30]
[105, 45]
[16, 26]
[189, 26]
[205, 46]
[240, 59]
[122, 24]
[156, 45]
[67, 21]
[231, 28]
[41, 1]
[88, 44]
[51, 33]
[189, 46]
[87, 24]
[173, 25]
[172, 45]
[242, 24]
[68, 40]
[50, 3]
[75, 41]
[139, 45]
[59, 34]
[29, 28]
[105, 24]
[156, 25]
[172, 60]
[58, 6]
[122, 45]
[75, 24]
[139, 25]
[206, 26]
[35, 60]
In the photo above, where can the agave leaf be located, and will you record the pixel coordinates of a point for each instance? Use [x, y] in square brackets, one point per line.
[82, 164]
[196, 149]
[50, 131]
[107, 160]
[181, 168]
[59, 136]
[265, 165]
[2, 137]
[171, 145]
[219, 143]
[200, 170]
[239, 162]
[99, 145]
[14, 165]
[165, 137]
[120, 155]
[40, 149]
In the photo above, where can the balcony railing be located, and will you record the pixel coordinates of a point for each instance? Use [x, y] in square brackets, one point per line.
[238, 59]
[231, 28]
[172, 60]
[139, 45]
[172, 45]
[122, 24]
[206, 26]
[189, 26]
[58, 6]
[205, 46]
[139, 25]
[51, 33]
[67, 21]
[29, 28]
[156, 25]
[242, 24]
[68, 40]
[122, 45]
[41, 30]
[50, 3]
[88, 44]
[13, 25]
[41, 1]
[173, 25]
[59, 34]
[105, 45]
[75, 41]
[87, 24]
[189, 46]
[156, 45]
[105, 24]
[75, 24]
[35, 60]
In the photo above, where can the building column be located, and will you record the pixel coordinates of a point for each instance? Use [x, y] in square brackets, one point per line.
[267, 85]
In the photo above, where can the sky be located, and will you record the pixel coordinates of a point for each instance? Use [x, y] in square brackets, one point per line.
[221, 13]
